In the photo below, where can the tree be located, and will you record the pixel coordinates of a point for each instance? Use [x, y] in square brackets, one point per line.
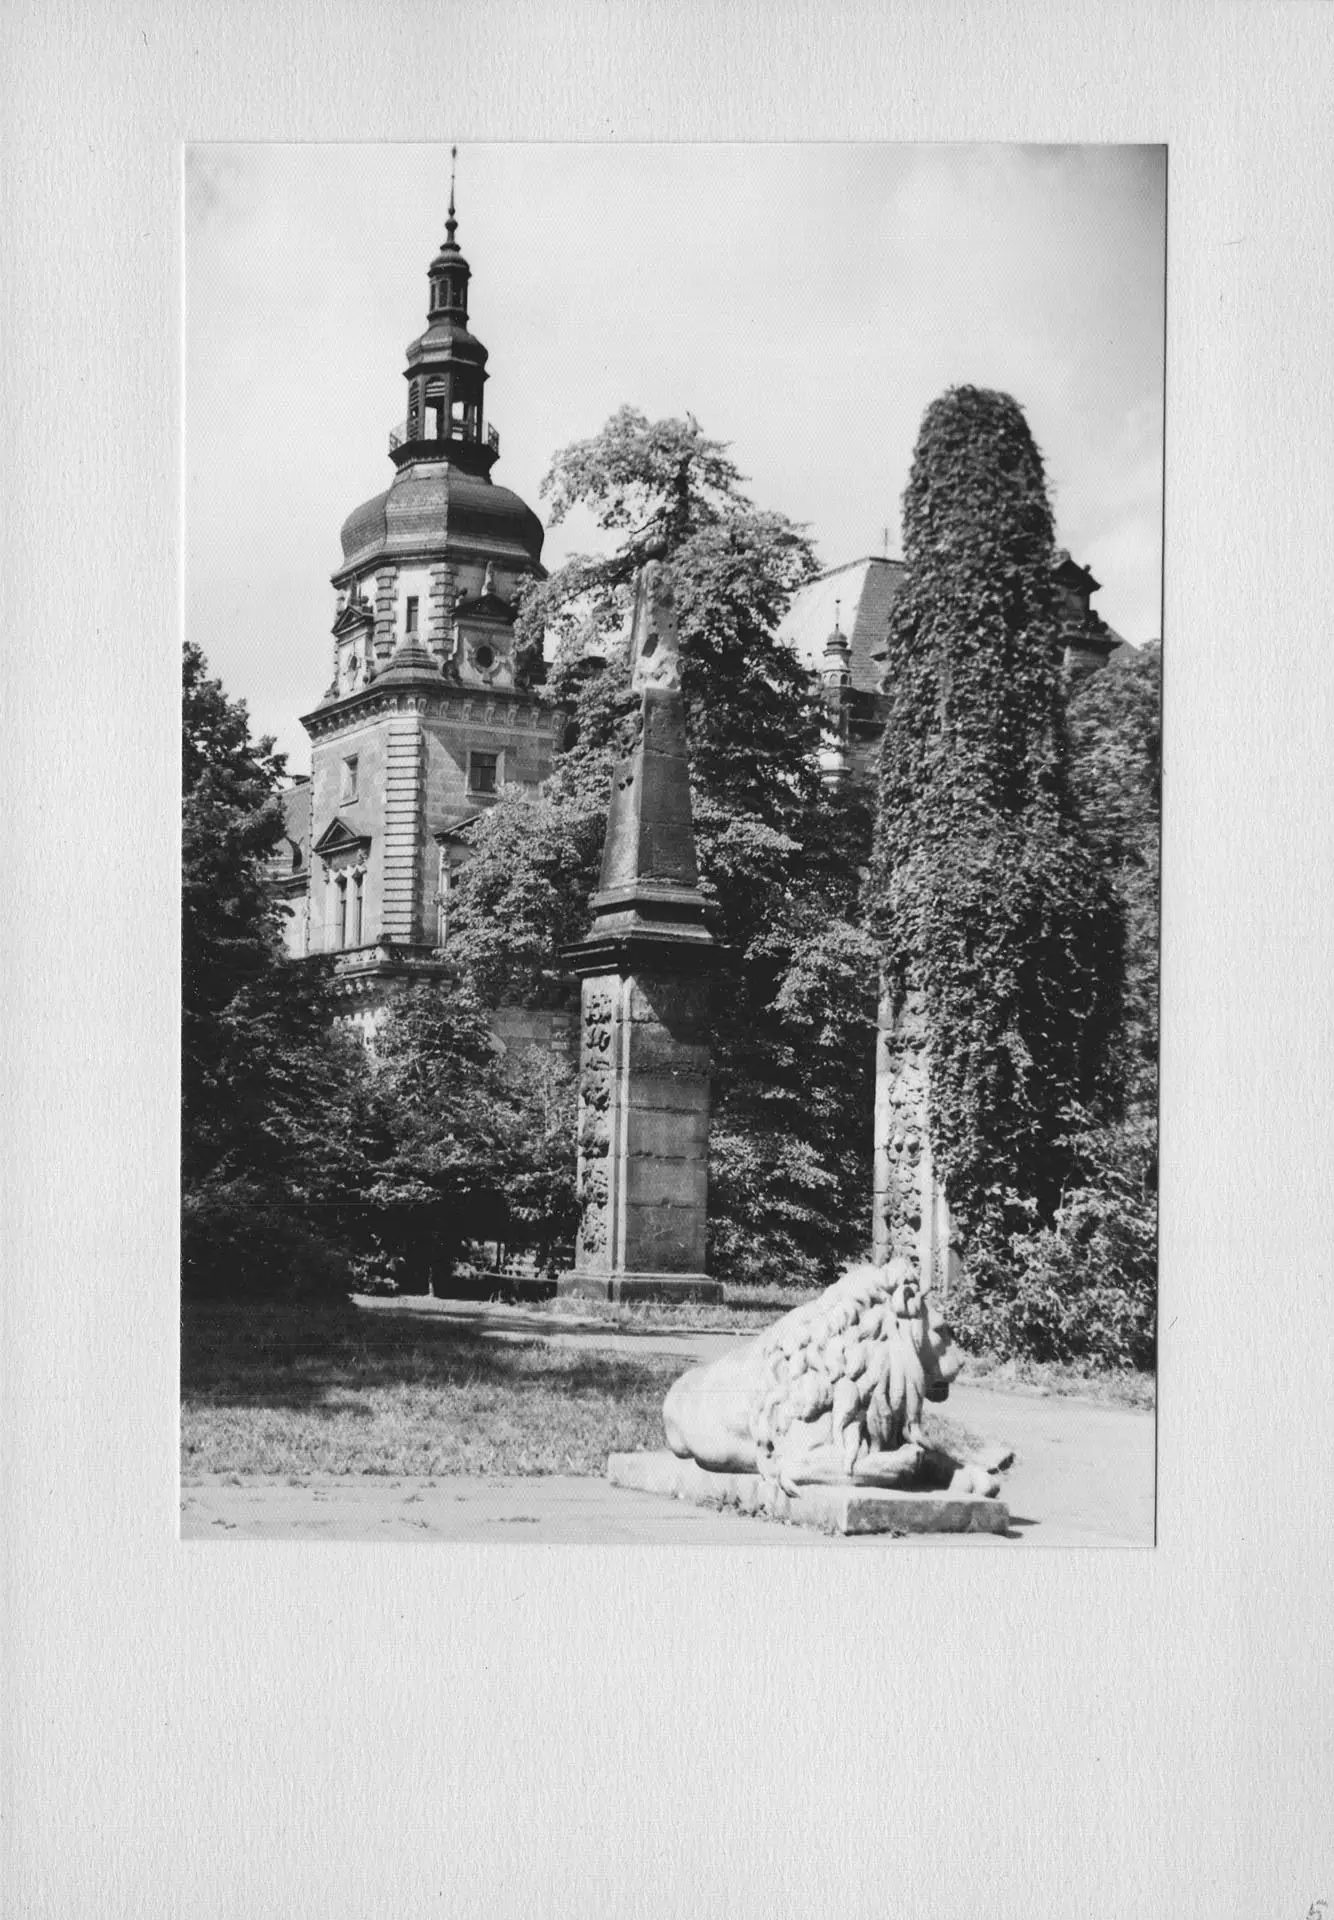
[265, 1081]
[1087, 1280]
[986, 893]
[233, 1010]
[779, 857]
[1115, 721]
[453, 1141]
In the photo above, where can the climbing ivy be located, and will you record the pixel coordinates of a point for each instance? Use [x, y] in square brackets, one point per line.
[984, 893]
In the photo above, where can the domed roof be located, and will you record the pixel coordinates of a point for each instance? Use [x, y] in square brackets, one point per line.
[435, 507]
[447, 336]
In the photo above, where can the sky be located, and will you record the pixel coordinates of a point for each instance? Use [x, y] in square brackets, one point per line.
[805, 302]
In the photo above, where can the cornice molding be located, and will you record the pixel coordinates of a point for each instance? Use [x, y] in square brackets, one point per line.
[480, 707]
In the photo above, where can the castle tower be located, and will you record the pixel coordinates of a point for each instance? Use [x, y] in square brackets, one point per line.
[425, 720]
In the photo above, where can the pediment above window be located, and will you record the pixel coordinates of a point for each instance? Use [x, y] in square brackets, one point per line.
[486, 607]
[338, 838]
[354, 617]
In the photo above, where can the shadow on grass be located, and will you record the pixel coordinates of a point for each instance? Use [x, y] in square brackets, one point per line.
[242, 1354]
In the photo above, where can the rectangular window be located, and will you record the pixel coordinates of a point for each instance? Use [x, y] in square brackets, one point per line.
[356, 909]
[342, 914]
[482, 772]
[412, 613]
[349, 780]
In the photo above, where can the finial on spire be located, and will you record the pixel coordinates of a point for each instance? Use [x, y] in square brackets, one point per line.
[451, 224]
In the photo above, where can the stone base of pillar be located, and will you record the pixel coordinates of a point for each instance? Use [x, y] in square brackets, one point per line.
[628, 1287]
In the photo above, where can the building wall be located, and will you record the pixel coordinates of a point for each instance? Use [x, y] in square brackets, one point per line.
[412, 750]
[368, 741]
[519, 730]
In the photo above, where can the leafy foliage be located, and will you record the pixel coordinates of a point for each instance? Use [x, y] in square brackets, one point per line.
[255, 1031]
[265, 1078]
[986, 893]
[1080, 1288]
[1115, 722]
[779, 859]
[456, 1142]
[1083, 1287]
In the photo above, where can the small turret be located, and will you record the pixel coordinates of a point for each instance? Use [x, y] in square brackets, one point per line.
[836, 665]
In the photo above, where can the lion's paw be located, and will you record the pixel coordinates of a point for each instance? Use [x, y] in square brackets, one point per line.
[976, 1482]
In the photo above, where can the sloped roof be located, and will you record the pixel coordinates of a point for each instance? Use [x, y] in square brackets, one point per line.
[296, 813]
[864, 591]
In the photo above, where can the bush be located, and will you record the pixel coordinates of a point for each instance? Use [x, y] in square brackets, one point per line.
[238, 1241]
[1082, 1288]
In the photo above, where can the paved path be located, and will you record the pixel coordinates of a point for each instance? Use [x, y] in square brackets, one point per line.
[1083, 1475]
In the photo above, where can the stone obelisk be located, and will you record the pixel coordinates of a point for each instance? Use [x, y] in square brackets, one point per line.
[644, 964]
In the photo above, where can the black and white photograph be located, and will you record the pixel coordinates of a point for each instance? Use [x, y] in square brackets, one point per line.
[668, 1068]
[670, 942]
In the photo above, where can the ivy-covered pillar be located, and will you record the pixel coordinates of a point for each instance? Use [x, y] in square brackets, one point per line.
[995, 926]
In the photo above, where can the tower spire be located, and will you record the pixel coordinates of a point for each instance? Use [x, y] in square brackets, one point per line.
[451, 224]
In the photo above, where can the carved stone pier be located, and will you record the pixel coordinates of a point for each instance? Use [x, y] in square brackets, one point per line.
[910, 1214]
[644, 1054]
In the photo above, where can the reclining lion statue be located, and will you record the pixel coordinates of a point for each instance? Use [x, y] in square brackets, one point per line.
[832, 1394]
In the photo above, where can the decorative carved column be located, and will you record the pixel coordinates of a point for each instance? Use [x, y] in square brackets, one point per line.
[910, 1213]
[644, 1054]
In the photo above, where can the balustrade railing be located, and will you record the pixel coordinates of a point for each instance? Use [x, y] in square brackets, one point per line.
[406, 434]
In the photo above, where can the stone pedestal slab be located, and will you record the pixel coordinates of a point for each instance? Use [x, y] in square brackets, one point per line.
[844, 1510]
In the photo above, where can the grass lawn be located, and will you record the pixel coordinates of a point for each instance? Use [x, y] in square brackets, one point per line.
[285, 1390]
[281, 1391]
[1110, 1388]
[744, 1310]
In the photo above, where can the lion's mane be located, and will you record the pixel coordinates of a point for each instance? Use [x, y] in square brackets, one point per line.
[848, 1355]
